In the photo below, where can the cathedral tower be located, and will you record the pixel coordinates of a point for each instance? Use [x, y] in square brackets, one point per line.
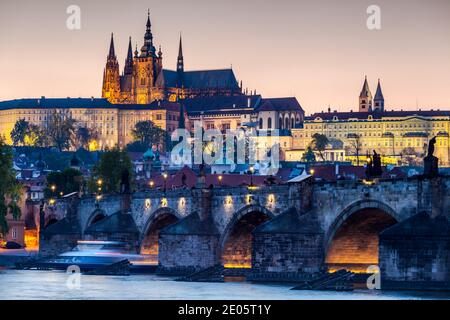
[365, 98]
[378, 101]
[111, 77]
[147, 66]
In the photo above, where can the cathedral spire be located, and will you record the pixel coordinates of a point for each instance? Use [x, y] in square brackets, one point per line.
[378, 100]
[149, 24]
[111, 77]
[365, 98]
[180, 59]
[365, 91]
[112, 52]
[129, 60]
[148, 48]
[379, 93]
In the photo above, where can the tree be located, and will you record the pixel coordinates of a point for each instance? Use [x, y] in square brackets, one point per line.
[35, 136]
[319, 143]
[19, 132]
[27, 134]
[85, 137]
[110, 168]
[309, 155]
[355, 145]
[10, 188]
[148, 133]
[67, 181]
[61, 131]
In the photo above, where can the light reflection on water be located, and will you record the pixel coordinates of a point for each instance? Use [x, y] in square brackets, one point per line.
[15, 284]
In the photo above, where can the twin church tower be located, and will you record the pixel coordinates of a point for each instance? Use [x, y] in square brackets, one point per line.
[369, 104]
[144, 80]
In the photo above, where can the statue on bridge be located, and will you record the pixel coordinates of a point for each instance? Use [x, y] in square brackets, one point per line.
[125, 182]
[373, 168]
[431, 162]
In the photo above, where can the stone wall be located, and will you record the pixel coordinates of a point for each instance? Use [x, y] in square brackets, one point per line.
[144, 205]
[184, 254]
[415, 254]
[53, 245]
[287, 253]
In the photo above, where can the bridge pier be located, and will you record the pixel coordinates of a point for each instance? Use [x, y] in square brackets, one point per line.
[192, 243]
[415, 253]
[288, 247]
[188, 246]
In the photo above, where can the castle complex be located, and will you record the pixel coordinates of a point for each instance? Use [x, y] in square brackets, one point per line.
[146, 91]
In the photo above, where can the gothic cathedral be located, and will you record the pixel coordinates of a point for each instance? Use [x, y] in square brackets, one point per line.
[144, 80]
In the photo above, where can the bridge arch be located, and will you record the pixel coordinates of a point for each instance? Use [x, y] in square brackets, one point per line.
[352, 239]
[96, 216]
[158, 220]
[236, 240]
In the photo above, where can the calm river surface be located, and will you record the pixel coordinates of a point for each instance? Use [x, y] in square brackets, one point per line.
[15, 284]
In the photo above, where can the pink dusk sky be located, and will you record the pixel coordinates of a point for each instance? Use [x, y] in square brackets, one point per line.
[316, 50]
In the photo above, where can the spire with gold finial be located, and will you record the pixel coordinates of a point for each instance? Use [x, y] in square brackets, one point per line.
[148, 48]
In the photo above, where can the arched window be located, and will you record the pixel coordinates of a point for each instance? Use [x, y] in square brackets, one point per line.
[269, 123]
[260, 123]
[280, 123]
[292, 123]
[286, 123]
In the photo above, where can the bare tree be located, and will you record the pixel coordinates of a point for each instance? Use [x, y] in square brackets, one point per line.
[355, 145]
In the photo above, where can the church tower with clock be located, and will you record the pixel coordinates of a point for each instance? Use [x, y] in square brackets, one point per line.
[147, 66]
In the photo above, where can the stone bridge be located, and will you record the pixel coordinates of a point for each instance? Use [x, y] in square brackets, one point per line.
[294, 227]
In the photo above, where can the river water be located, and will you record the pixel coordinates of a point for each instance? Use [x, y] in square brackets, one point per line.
[52, 285]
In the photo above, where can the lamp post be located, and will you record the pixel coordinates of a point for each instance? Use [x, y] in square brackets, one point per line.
[220, 180]
[252, 169]
[98, 197]
[165, 180]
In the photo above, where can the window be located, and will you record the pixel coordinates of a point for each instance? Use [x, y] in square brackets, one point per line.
[260, 123]
[14, 233]
[269, 123]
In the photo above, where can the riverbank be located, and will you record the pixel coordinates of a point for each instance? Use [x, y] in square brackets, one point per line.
[57, 285]
[8, 257]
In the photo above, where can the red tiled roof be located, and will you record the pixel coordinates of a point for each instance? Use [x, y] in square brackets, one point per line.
[175, 181]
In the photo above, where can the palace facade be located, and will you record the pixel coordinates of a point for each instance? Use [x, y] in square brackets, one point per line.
[394, 134]
[114, 122]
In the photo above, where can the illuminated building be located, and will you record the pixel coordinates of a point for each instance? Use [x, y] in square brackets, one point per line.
[144, 80]
[391, 133]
